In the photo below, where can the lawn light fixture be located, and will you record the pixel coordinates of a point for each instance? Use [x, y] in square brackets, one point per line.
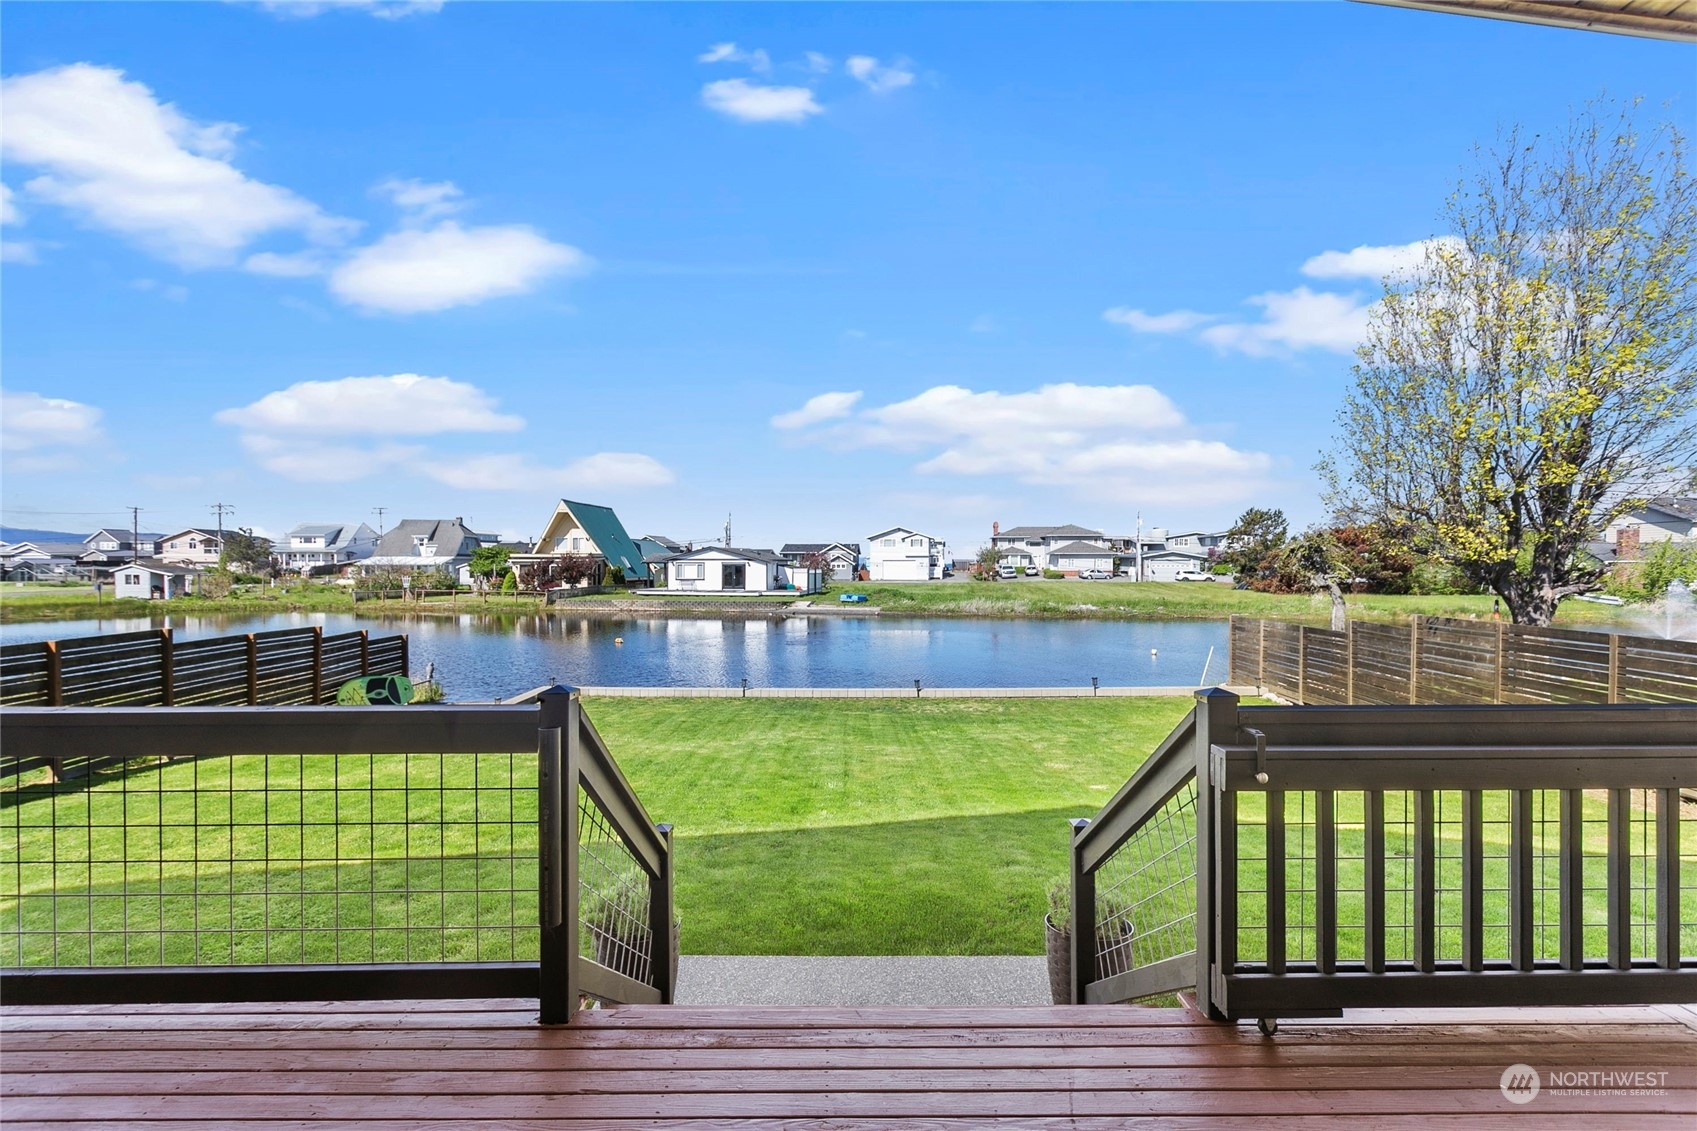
[1093, 684]
[916, 689]
[745, 687]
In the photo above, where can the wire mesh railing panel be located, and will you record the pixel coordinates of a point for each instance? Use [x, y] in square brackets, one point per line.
[1146, 891]
[613, 897]
[278, 859]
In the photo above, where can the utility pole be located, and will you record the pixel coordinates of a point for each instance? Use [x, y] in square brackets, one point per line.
[727, 530]
[135, 533]
[1140, 545]
[220, 509]
[379, 512]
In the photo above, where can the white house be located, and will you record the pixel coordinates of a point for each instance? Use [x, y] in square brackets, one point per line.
[1165, 565]
[150, 579]
[315, 544]
[1023, 546]
[1667, 519]
[843, 557]
[107, 547]
[900, 554]
[731, 569]
[40, 561]
[191, 547]
[423, 544]
[1075, 556]
[1197, 540]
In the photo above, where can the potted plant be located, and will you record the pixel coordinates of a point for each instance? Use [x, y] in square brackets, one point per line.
[1113, 940]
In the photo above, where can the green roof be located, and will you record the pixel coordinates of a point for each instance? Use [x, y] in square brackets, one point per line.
[608, 534]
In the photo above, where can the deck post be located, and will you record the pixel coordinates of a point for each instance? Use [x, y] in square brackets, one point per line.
[252, 670]
[1216, 722]
[1614, 667]
[318, 663]
[55, 676]
[1667, 879]
[556, 820]
[1083, 917]
[167, 668]
[660, 920]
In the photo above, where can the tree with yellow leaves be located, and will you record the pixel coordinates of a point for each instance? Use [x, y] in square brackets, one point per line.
[1534, 375]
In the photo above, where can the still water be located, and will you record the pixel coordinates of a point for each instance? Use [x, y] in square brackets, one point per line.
[486, 657]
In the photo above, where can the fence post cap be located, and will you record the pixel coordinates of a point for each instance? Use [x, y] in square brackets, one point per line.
[1214, 694]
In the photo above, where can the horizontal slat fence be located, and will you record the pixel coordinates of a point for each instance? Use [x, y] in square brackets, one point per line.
[1443, 661]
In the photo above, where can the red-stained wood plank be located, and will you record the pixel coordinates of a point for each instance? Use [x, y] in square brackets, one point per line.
[1555, 1121]
[813, 1105]
[438, 1082]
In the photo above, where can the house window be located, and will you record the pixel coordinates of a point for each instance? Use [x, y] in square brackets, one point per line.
[916, 541]
[577, 544]
[889, 541]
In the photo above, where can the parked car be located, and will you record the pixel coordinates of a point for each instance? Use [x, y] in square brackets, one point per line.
[1193, 575]
[1094, 575]
[1033, 571]
[1006, 572]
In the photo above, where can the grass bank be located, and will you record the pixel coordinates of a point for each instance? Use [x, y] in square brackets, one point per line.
[1024, 599]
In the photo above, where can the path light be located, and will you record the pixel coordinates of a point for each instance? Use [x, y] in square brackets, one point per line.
[1093, 683]
[916, 689]
[745, 687]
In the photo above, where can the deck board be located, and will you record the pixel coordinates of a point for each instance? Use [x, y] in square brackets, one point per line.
[460, 1066]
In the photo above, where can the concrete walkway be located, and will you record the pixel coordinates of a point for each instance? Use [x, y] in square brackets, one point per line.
[892, 692]
[861, 981]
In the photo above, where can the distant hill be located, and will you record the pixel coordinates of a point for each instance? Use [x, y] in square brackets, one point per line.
[26, 534]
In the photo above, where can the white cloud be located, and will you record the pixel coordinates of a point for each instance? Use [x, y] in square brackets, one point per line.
[40, 433]
[329, 431]
[817, 63]
[422, 200]
[751, 102]
[880, 78]
[17, 251]
[758, 61]
[1390, 261]
[1122, 441]
[825, 406]
[298, 265]
[414, 271]
[382, 9]
[405, 404]
[603, 471]
[1295, 320]
[119, 159]
[1173, 322]
[9, 213]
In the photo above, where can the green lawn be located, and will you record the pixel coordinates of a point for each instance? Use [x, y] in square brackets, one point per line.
[802, 827]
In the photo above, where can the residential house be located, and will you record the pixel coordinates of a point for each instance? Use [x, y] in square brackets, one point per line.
[1075, 556]
[1023, 546]
[314, 545]
[40, 561]
[656, 551]
[1666, 519]
[733, 569]
[1165, 565]
[191, 547]
[106, 548]
[1197, 540]
[842, 558]
[468, 578]
[900, 554]
[150, 579]
[421, 544]
[584, 528]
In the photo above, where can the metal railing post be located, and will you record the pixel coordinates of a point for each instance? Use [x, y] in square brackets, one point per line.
[1216, 721]
[556, 858]
[661, 920]
[1083, 918]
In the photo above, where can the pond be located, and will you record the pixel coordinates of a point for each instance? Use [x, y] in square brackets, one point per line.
[486, 657]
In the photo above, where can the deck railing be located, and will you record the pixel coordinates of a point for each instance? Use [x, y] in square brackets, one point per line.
[1382, 856]
[281, 853]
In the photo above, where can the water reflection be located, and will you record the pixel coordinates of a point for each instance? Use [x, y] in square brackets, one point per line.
[484, 657]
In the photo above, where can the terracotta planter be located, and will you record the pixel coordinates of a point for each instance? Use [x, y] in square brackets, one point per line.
[1058, 945]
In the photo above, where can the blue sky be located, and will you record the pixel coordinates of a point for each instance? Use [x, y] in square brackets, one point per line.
[829, 268]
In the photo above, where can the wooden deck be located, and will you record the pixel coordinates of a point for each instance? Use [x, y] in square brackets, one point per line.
[487, 1065]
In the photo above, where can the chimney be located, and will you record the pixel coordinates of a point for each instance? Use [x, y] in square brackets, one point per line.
[995, 529]
[1626, 544]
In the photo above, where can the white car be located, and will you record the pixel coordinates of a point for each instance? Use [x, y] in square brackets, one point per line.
[1033, 571]
[1094, 575]
[1193, 575]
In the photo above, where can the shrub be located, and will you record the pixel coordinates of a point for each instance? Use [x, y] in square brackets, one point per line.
[1053, 574]
[510, 583]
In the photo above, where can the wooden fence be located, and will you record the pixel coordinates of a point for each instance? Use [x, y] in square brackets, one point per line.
[288, 667]
[1438, 660]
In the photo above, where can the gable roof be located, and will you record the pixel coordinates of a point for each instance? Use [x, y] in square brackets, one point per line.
[1685, 508]
[120, 536]
[736, 552]
[901, 529]
[154, 565]
[1177, 552]
[449, 535]
[1080, 548]
[1066, 531]
[608, 533]
[324, 530]
[662, 540]
[794, 548]
[211, 535]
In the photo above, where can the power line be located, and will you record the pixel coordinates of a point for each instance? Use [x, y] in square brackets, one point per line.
[135, 533]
